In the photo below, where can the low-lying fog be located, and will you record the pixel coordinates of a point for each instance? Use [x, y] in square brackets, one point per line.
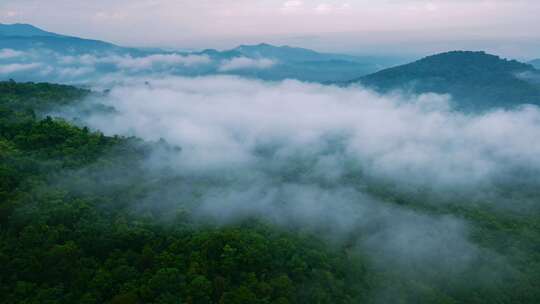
[307, 155]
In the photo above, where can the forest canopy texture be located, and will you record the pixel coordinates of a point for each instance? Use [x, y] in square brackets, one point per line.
[79, 225]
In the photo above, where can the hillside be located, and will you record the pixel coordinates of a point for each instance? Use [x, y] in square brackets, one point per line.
[24, 30]
[308, 65]
[68, 236]
[287, 53]
[476, 80]
[23, 37]
[71, 45]
[535, 63]
[74, 230]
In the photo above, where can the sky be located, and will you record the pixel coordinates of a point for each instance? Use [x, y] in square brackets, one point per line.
[504, 27]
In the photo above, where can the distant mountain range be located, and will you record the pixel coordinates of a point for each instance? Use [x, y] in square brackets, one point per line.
[24, 30]
[287, 53]
[25, 37]
[305, 64]
[281, 61]
[476, 80]
[535, 63]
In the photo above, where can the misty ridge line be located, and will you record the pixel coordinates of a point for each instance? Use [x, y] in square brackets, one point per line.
[476, 81]
[357, 168]
[85, 68]
[79, 61]
[206, 114]
[54, 57]
[305, 156]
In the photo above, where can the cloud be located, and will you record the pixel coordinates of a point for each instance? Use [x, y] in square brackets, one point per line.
[9, 54]
[416, 25]
[151, 61]
[418, 143]
[9, 14]
[327, 8]
[18, 67]
[75, 72]
[84, 59]
[397, 236]
[292, 5]
[243, 63]
[308, 156]
[128, 62]
[110, 15]
[84, 68]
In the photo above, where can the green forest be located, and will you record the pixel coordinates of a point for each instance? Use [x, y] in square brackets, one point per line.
[476, 81]
[72, 235]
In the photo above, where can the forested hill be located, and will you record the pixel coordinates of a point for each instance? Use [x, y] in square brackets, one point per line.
[535, 63]
[476, 80]
[24, 30]
[26, 37]
[75, 228]
[62, 53]
[69, 232]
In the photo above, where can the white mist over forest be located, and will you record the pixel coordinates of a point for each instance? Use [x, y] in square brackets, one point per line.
[225, 169]
[305, 156]
[221, 122]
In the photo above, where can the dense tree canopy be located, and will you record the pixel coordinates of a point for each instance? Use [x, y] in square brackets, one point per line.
[477, 81]
[62, 245]
[69, 235]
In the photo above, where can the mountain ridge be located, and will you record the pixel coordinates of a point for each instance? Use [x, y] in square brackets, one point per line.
[535, 63]
[25, 30]
[476, 80]
[20, 36]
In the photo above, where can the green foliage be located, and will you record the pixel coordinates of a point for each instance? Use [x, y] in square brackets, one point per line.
[68, 236]
[22, 97]
[73, 230]
[477, 81]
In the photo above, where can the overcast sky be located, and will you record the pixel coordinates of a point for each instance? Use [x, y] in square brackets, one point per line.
[505, 27]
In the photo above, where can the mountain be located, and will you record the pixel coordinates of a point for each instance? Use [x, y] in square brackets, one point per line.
[290, 54]
[475, 80]
[285, 53]
[220, 55]
[303, 64]
[69, 45]
[27, 37]
[263, 61]
[24, 30]
[535, 63]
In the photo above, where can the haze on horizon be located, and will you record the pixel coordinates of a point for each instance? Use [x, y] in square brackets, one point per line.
[410, 27]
